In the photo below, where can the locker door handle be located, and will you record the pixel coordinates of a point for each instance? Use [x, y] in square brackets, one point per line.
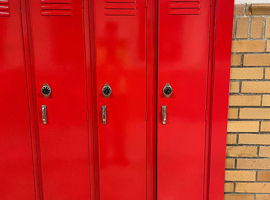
[44, 114]
[164, 108]
[104, 114]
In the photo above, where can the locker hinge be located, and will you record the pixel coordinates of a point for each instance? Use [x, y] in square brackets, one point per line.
[145, 115]
[87, 115]
[82, 4]
[206, 116]
[146, 1]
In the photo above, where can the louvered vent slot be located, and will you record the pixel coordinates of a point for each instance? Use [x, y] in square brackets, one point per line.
[185, 7]
[120, 7]
[4, 8]
[56, 7]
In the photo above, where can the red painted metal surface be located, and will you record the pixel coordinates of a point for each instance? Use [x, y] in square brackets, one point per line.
[34, 128]
[151, 41]
[123, 156]
[16, 179]
[89, 60]
[183, 46]
[221, 42]
[58, 58]
[121, 62]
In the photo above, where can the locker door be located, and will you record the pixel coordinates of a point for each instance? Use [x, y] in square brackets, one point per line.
[120, 37]
[58, 59]
[183, 45]
[16, 177]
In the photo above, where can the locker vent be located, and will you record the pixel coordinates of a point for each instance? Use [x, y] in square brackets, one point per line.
[185, 7]
[56, 7]
[4, 8]
[120, 7]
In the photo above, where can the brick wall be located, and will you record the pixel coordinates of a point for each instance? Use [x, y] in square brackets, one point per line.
[247, 174]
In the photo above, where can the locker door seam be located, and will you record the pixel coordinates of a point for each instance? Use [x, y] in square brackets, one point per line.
[35, 115]
[207, 148]
[146, 99]
[94, 97]
[87, 96]
[28, 97]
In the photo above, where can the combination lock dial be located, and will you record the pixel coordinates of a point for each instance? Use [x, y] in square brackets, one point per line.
[106, 90]
[167, 90]
[46, 90]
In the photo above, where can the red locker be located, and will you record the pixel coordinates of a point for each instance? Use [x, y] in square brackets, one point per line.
[190, 147]
[118, 96]
[120, 40]
[125, 78]
[57, 50]
[16, 179]
[183, 64]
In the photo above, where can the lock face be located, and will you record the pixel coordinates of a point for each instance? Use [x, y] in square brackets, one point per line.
[106, 90]
[46, 90]
[167, 90]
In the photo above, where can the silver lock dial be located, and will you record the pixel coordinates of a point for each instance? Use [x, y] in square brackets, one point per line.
[46, 90]
[106, 90]
[167, 90]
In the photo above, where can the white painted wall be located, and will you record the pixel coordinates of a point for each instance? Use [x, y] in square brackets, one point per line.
[251, 1]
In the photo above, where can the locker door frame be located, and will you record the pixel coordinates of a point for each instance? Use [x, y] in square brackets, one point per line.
[218, 97]
[89, 25]
[32, 103]
[151, 115]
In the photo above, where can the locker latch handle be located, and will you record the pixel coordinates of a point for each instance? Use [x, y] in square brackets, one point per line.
[44, 114]
[164, 108]
[104, 114]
